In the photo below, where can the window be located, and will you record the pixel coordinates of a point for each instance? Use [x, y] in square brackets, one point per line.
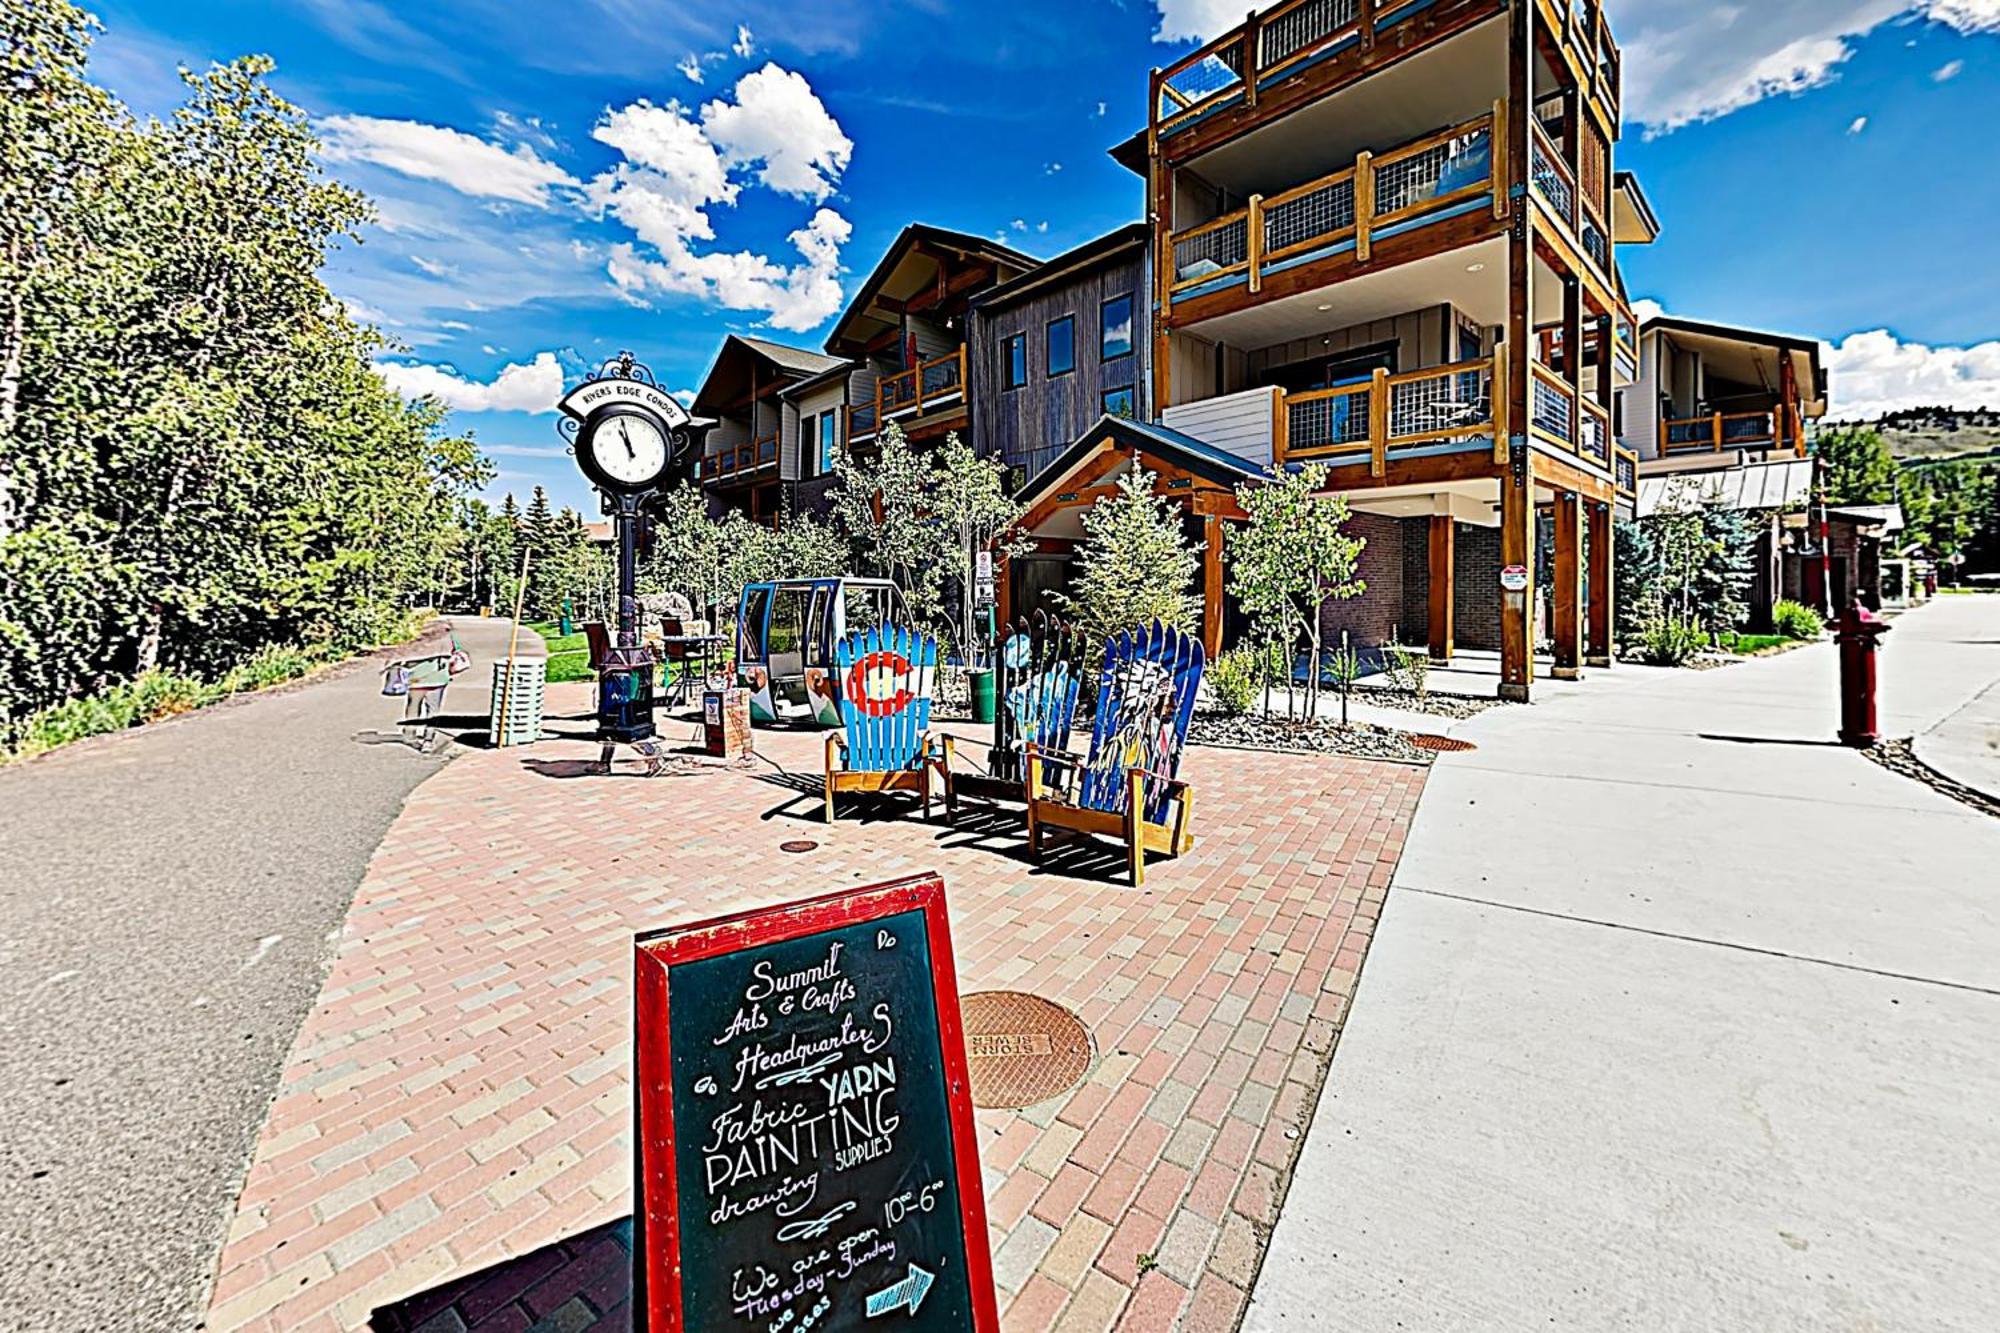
[1014, 361]
[1114, 322]
[1119, 402]
[1062, 346]
[829, 439]
[808, 427]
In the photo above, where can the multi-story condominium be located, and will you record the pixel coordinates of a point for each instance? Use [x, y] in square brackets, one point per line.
[1374, 229]
[905, 333]
[1057, 348]
[757, 453]
[1717, 416]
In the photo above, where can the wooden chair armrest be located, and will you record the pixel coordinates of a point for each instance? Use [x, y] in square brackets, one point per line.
[1037, 763]
[1178, 784]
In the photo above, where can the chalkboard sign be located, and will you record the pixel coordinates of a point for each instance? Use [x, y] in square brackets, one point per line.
[806, 1151]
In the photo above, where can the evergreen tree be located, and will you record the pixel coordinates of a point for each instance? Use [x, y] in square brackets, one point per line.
[1134, 564]
[1856, 465]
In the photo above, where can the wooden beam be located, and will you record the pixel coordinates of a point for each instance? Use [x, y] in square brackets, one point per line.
[1517, 486]
[1211, 586]
[1601, 544]
[1443, 586]
[1568, 592]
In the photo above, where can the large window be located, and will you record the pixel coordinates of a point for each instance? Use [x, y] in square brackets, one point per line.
[1062, 346]
[1114, 320]
[829, 439]
[808, 429]
[1119, 402]
[1014, 361]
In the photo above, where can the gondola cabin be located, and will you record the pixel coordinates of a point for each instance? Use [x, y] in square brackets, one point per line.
[785, 632]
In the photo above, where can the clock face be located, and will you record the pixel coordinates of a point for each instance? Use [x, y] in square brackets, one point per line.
[629, 449]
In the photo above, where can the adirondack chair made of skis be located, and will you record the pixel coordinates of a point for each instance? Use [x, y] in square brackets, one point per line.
[1038, 690]
[1128, 786]
[885, 678]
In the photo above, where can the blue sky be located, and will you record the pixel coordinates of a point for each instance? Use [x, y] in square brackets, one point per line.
[556, 185]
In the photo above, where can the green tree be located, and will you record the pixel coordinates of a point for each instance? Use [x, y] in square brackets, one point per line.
[1134, 566]
[884, 507]
[1292, 556]
[969, 497]
[1856, 466]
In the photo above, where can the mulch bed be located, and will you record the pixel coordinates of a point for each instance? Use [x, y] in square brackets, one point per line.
[1359, 740]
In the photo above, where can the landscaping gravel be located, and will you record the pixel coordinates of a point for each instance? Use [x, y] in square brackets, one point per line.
[1360, 740]
[1455, 706]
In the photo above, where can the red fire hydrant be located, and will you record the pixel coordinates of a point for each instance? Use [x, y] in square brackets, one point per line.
[1857, 631]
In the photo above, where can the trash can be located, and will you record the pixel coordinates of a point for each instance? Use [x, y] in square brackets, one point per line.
[725, 722]
[982, 693]
[515, 715]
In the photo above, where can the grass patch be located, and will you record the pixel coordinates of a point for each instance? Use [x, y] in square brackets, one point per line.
[569, 654]
[1747, 644]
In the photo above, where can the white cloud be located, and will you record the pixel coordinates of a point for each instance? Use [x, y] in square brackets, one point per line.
[1876, 372]
[779, 122]
[436, 268]
[743, 46]
[1646, 308]
[690, 66]
[1052, 168]
[455, 325]
[677, 167]
[1101, 108]
[524, 450]
[532, 386]
[465, 162]
[1197, 20]
[1858, 124]
[1948, 71]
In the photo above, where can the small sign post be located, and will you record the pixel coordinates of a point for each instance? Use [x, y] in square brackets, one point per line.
[807, 1157]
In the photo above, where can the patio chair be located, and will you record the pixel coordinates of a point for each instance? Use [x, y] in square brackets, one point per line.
[1128, 786]
[885, 677]
[1038, 688]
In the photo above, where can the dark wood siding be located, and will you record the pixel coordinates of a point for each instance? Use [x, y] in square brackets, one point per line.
[1030, 425]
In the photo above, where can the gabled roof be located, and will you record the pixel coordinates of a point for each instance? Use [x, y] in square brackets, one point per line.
[742, 361]
[1113, 246]
[1184, 451]
[848, 331]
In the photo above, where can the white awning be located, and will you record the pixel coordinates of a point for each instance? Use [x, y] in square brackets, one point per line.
[1777, 485]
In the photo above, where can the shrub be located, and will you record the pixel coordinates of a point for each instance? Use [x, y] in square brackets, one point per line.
[1670, 642]
[1406, 668]
[1234, 679]
[1796, 620]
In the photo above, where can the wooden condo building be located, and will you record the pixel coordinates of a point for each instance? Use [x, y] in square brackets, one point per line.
[1384, 237]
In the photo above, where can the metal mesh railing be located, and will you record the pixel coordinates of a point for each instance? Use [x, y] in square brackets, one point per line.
[1322, 212]
[1216, 72]
[1627, 471]
[1753, 427]
[1595, 245]
[1554, 411]
[1197, 256]
[1551, 181]
[1440, 169]
[1332, 422]
[1448, 401]
[1701, 431]
[1593, 439]
[1301, 28]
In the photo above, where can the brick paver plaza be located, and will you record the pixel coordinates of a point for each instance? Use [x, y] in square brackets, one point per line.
[460, 1094]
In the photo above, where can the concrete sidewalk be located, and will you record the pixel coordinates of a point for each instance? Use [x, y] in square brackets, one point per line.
[1965, 745]
[1678, 1016]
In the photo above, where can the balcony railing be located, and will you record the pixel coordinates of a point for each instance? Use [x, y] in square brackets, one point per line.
[1588, 33]
[1386, 412]
[741, 462]
[1594, 439]
[1339, 212]
[909, 393]
[1718, 431]
[1271, 45]
[1552, 408]
[1625, 470]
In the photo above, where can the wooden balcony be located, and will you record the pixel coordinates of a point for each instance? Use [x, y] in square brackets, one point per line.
[1442, 175]
[1587, 45]
[1775, 428]
[910, 395]
[1579, 210]
[741, 464]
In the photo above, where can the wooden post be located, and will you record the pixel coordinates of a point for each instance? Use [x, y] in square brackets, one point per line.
[1443, 586]
[1364, 18]
[1503, 198]
[1716, 422]
[1281, 427]
[1500, 403]
[1602, 544]
[1572, 335]
[1568, 592]
[1160, 189]
[1378, 423]
[1250, 45]
[1211, 585]
[1364, 204]
[1517, 480]
[1253, 241]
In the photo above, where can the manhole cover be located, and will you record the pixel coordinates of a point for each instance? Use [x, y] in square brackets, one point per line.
[1441, 744]
[1021, 1049]
[798, 845]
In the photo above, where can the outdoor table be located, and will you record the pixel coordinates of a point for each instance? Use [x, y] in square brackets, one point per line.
[703, 643]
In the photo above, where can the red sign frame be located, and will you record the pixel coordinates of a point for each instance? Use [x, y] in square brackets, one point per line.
[656, 1202]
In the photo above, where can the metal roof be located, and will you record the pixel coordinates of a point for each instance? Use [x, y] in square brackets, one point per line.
[1779, 485]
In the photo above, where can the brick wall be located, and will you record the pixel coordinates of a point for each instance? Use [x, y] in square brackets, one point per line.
[1476, 596]
[1378, 612]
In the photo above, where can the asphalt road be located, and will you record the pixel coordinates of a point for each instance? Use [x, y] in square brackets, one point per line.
[169, 901]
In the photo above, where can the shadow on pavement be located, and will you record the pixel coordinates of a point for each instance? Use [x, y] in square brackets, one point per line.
[581, 1283]
[1769, 740]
